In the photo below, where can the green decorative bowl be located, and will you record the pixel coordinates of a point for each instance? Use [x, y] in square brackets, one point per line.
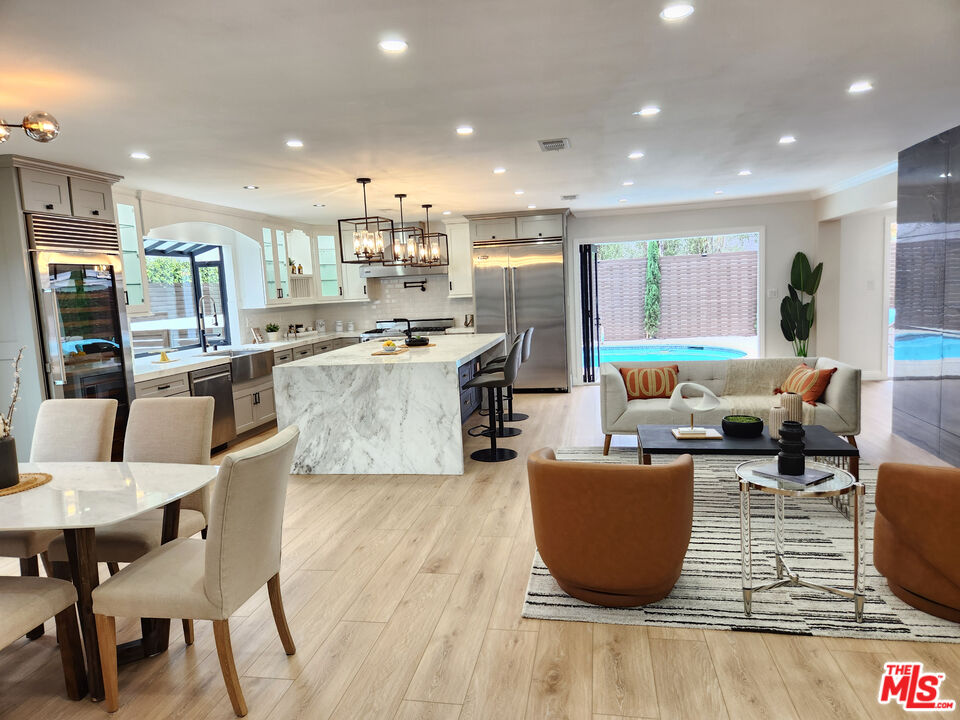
[742, 426]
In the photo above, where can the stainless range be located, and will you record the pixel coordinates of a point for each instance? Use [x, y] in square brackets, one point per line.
[391, 329]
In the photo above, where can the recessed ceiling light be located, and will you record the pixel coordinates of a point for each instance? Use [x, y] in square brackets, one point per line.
[251, 187]
[464, 130]
[787, 139]
[518, 192]
[718, 192]
[531, 207]
[676, 11]
[946, 175]
[139, 155]
[446, 212]
[648, 111]
[319, 205]
[393, 47]
[622, 200]
[627, 183]
[499, 171]
[294, 143]
[744, 172]
[635, 155]
[861, 86]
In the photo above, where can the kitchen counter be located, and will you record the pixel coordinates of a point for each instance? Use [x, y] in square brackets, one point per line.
[146, 368]
[385, 414]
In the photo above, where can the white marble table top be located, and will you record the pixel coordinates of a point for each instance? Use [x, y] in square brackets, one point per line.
[456, 349]
[85, 495]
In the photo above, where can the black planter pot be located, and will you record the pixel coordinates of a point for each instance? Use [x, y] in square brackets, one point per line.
[791, 460]
[9, 469]
[746, 426]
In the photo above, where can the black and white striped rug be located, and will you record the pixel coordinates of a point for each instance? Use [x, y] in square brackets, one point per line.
[819, 544]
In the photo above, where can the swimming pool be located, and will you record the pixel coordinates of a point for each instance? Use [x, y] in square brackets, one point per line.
[667, 353]
[921, 346]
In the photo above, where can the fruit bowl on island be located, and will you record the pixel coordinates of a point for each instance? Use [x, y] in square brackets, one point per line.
[389, 346]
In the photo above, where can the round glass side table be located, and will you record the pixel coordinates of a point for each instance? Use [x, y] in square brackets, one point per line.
[842, 483]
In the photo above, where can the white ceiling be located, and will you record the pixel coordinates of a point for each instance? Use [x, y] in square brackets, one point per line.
[213, 89]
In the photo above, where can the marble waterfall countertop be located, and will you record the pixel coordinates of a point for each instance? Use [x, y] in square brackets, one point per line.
[360, 413]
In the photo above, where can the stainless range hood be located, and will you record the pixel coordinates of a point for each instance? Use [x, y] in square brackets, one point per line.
[389, 271]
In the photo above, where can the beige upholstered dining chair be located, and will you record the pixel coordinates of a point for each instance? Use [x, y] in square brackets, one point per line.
[25, 602]
[78, 430]
[210, 580]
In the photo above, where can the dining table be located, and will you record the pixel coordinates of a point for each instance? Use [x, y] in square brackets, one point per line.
[83, 496]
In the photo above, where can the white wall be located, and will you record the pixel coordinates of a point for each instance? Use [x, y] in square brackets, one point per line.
[788, 227]
[828, 296]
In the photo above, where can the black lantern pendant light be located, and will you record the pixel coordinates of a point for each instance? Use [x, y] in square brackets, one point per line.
[405, 240]
[365, 241]
[433, 250]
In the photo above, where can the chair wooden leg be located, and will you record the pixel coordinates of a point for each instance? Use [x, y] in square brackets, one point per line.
[113, 567]
[188, 632]
[221, 633]
[71, 653]
[279, 617]
[107, 641]
[606, 444]
[47, 565]
[30, 567]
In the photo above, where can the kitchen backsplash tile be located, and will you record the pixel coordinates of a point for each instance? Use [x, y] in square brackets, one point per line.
[388, 299]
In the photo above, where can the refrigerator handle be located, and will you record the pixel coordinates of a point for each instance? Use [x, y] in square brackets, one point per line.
[513, 298]
[55, 321]
[506, 316]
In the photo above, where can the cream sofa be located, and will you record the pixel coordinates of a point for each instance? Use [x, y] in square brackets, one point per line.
[745, 387]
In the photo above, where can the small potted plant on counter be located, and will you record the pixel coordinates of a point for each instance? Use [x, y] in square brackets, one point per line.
[9, 469]
[273, 332]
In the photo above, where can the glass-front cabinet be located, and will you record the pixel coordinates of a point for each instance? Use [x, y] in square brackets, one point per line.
[136, 290]
[327, 277]
[275, 273]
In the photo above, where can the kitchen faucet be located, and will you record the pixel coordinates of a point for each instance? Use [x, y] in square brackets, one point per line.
[408, 332]
[202, 317]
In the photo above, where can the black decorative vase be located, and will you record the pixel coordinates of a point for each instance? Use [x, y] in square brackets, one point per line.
[9, 469]
[791, 461]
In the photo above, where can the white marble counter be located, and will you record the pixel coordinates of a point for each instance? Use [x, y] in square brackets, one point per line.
[385, 414]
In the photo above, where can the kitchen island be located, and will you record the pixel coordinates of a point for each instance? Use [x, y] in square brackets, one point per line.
[361, 413]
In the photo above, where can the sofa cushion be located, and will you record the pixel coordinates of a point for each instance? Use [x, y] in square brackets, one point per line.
[807, 382]
[646, 383]
[756, 376]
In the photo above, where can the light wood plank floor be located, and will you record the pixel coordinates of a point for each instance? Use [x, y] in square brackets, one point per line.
[404, 597]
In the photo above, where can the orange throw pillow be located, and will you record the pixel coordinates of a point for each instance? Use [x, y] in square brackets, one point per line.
[807, 382]
[647, 383]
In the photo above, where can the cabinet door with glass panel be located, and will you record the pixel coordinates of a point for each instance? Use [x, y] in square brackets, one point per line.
[276, 274]
[329, 286]
[136, 289]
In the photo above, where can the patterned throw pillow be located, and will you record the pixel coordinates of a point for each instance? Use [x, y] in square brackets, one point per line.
[646, 383]
[807, 382]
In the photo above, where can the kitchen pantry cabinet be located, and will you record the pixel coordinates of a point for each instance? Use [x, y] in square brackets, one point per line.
[460, 272]
[536, 226]
[494, 229]
[253, 404]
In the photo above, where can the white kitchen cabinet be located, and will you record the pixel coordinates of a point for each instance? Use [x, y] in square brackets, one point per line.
[91, 199]
[537, 226]
[135, 285]
[326, 272]
[276, 274]
[253, 404]
[44, 192]
[494, 229]
[354, 287]
[460, 271]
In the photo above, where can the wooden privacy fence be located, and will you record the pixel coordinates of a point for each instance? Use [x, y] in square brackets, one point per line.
[700, 296]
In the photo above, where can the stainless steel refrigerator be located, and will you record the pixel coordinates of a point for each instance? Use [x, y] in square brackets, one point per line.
[519, 284]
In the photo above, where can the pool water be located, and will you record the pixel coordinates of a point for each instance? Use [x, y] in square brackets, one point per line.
[910, 346]
[667, 353]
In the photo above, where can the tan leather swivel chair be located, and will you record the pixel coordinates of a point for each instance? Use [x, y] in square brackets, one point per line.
[916, 536]
[612, 535]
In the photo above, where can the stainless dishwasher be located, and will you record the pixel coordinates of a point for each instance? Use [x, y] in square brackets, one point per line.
[216, 382]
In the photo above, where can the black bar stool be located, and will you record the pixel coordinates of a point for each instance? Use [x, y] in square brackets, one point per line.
[494, 383]
[497, 363]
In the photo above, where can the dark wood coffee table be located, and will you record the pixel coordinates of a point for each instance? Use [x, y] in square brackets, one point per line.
[819, 442]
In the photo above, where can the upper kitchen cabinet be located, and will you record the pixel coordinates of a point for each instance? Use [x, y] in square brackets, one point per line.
[494, 229]
[460, 272]
[354, 287]
[326, 272]
[540, 226]
[300, 265]
[91, 199]
[136, 289]
[44, 192]
[276, 274]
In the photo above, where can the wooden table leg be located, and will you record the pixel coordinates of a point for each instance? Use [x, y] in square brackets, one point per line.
[82, 552]
[155, 631]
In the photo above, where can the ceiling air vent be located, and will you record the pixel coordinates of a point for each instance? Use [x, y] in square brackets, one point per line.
[569, 198]
[554, 145]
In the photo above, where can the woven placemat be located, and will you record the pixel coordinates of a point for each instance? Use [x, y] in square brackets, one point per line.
[28, 481]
